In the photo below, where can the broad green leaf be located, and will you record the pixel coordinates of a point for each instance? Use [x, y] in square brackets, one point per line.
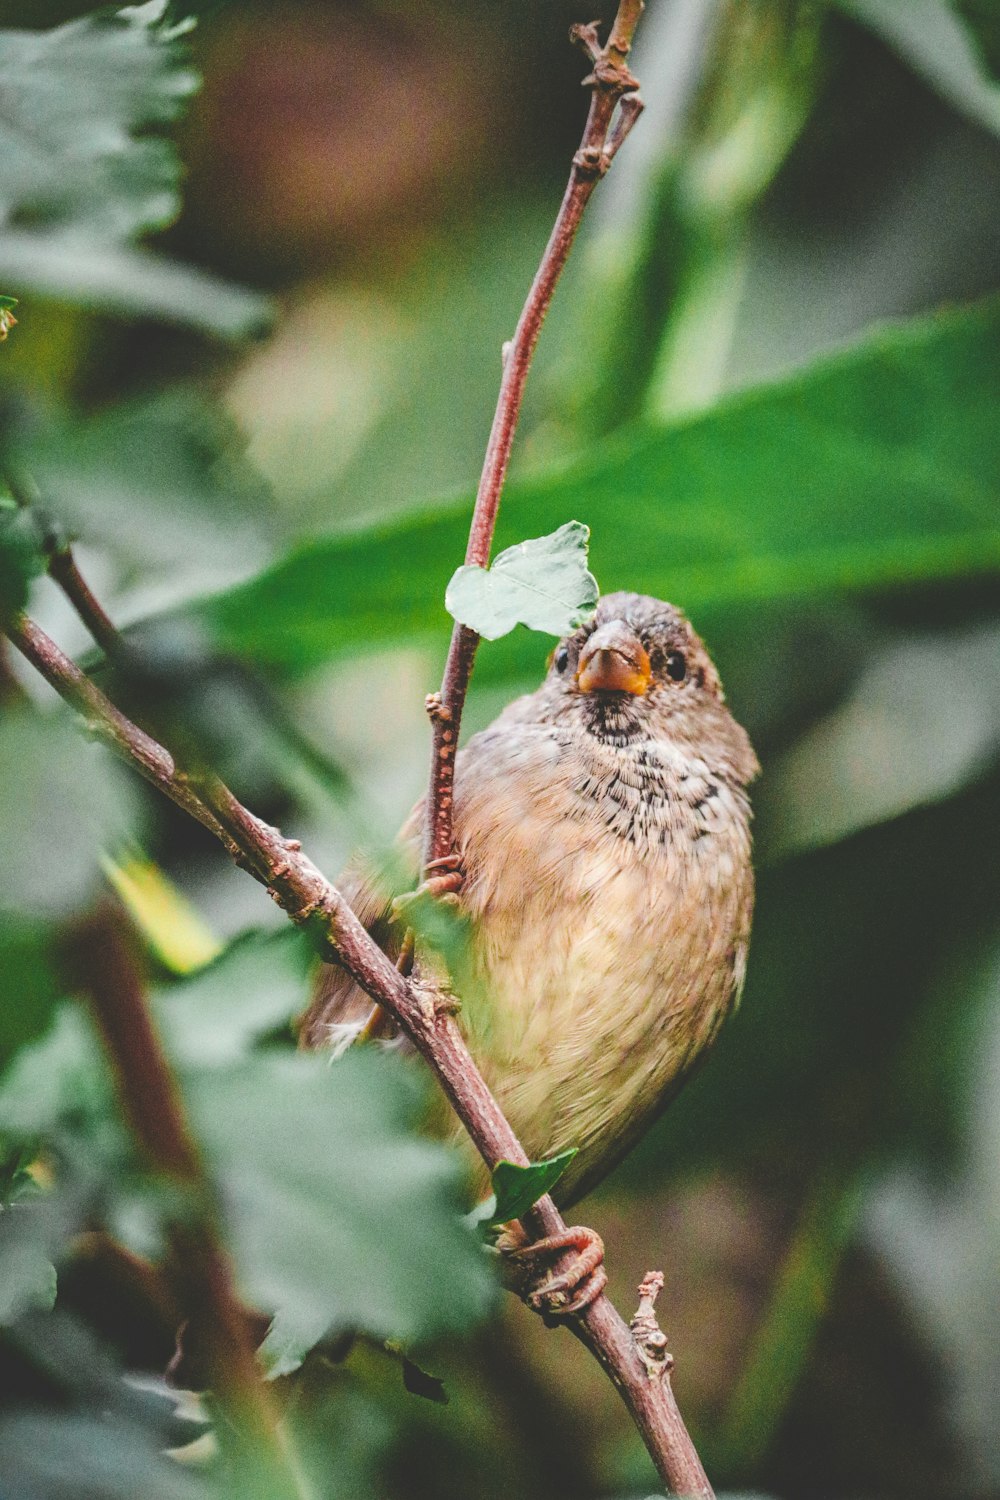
[542, 583]
[163, 482]
[339, 1216]
[947, 43]
[516, 1189]
[878, 466]
[63, 802]
[132, 283]
[80, 101]
[89, 1453]
[85, 169]
[27, 1275]
[256, 987]
[20, 557]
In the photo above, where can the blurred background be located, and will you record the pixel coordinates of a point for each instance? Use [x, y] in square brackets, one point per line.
[716, 396]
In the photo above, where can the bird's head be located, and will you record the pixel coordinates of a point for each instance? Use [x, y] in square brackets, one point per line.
[638, 670]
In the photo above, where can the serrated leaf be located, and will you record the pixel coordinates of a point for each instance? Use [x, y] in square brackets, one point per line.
[84, 171]
[516, 1189]
[878, 466]
[76, 98]
[20, 558]
[64, 801]
[256, 986]
[543, 583]
[338, 1214]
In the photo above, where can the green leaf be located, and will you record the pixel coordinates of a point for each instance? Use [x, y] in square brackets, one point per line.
[64, 801]
[85, 169]
[163, 482]
[20, 557]
[88, 1454]
[947, 44]
[339, 1216]
[133, 283]
[27, 1275]
[542, 583]
[517, 1189]
[75, 101]
[256, 986]
[878, 466]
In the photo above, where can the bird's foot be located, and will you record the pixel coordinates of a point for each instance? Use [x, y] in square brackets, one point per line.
[443, 879]
[570, 1290]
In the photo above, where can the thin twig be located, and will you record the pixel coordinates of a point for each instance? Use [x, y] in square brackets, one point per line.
[101, 957]
[610, 82]
[312, 902]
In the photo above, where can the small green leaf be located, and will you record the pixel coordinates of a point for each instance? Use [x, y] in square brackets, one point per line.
[518, 1188]
[543, 583]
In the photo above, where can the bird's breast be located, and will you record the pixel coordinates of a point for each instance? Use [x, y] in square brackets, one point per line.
[609, 891]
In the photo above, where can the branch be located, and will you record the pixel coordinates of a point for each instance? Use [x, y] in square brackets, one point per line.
[634, 1358]
[609, 82]
[100, 955]
[313, 903]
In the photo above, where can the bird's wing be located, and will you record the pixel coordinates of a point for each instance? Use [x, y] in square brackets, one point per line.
[339, 1005]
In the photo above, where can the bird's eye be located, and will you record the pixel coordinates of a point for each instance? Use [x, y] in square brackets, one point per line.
[677, 666]
[561, 659]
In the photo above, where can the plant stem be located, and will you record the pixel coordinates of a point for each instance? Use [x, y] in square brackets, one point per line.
[101, 957]
[609, 82]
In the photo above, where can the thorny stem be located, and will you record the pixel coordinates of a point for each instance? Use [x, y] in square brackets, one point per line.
[609, 82]
[100, 954]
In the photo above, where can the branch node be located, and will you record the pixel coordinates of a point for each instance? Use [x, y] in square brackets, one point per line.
[650, 1340]
[590, 161]
[437, 710]
[585, 34]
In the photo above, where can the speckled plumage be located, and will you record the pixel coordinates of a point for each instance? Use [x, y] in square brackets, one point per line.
[605, 838]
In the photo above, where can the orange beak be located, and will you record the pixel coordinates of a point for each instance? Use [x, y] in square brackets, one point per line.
[614, 660]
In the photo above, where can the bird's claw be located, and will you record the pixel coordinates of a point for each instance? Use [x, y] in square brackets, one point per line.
[443, 879]
[570, 1290]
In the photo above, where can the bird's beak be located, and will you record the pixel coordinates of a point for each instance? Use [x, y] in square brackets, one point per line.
[614, 660]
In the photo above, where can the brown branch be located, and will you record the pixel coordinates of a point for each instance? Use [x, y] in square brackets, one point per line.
[102, 962]
[609, 82]
[313, 903]
[634, 1358]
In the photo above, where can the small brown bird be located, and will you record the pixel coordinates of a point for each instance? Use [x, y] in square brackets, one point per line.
[603, 829]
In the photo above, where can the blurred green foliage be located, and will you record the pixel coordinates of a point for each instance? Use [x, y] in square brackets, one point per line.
[829, 516]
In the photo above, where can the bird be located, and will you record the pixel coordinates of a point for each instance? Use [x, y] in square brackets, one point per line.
[602, 842]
